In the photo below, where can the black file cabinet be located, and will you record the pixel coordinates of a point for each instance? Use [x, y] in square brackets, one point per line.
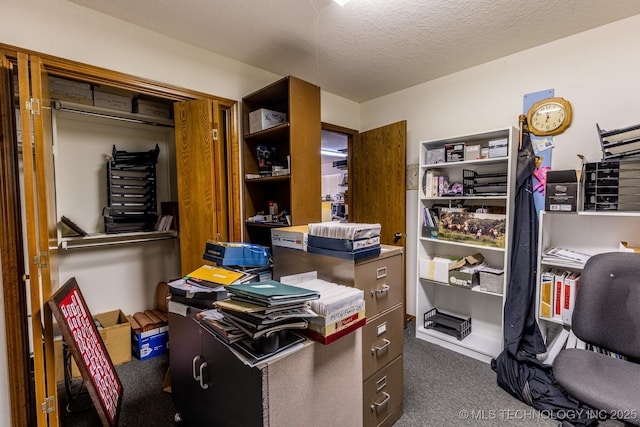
[316, 385]
[209, 384]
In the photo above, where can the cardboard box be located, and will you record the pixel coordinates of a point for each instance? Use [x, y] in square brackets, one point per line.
[149, 108]
[116, 334]
[264, 119]
[343, 330]
[146, 345]
[464, 278]
[472, 152]
[464, 272]
[112, 101]
[436, 268]
[454, 152]
[491, 282]
[294, 237]
[435, 156]
[71, 93]
[498, 148]
[561, 191]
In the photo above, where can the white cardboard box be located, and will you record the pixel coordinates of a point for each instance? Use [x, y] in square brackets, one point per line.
[112, 101]
[436, 268]
[294, 237]
[149, 108]
[71, 93]
[264, 119]
[498, 148]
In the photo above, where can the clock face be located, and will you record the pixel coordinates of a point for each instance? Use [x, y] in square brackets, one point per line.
[549, 116]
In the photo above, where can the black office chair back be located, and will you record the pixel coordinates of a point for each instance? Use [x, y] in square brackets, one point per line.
[607, 307]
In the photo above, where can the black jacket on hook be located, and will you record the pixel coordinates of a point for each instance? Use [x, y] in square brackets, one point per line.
[518, 370]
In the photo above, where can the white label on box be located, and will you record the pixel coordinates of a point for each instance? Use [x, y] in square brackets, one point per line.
[382, 328]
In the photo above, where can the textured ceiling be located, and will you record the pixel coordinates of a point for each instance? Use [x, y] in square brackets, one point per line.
[368, 48]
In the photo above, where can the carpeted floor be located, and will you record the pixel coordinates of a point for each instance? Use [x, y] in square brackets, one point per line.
[441, 388]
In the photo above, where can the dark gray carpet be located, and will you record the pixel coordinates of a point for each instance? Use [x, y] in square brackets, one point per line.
[143, 404]
[441, 388]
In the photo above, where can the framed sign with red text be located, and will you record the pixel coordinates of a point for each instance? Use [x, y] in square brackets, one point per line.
[88, 350]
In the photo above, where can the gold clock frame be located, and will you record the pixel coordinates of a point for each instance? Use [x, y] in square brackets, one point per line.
[563, 103]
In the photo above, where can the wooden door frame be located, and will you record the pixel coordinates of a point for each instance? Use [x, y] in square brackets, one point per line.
[350, 133]
[12, 267]
[22, 399]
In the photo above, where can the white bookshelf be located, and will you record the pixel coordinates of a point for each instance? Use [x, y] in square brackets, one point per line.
[484, 307]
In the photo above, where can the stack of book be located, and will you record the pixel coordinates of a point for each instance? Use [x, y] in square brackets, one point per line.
[265, 313]
[205, 285]
[345, 240]
[340, 310]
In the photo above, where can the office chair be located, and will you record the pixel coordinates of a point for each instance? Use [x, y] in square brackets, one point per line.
[607, 315]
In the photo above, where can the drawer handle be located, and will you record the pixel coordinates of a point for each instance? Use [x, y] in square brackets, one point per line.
[384, 401]
[196, 375]
[203, 385]
[384, 289]
[386, 344]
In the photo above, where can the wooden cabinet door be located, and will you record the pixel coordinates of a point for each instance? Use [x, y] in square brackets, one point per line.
[41, 222]
[201, 170]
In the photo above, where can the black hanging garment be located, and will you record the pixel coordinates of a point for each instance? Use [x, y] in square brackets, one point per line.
[518, 370]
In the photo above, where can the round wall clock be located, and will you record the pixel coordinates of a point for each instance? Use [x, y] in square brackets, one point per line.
[550, 116]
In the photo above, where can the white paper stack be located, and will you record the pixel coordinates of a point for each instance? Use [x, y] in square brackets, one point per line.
[344, 230]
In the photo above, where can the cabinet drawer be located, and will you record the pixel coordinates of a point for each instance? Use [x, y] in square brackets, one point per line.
[382, 341]
[382, 394]
[381, 281]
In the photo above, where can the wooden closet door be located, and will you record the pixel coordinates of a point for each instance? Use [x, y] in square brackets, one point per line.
[202, 184]
[42, 245]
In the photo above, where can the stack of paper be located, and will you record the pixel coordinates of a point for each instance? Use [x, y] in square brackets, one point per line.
[345, 240]
[340, 309]
[344, 230]
[207, 284]
[555, 254]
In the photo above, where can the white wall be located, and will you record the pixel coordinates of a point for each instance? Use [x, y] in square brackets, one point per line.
[597, 71]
